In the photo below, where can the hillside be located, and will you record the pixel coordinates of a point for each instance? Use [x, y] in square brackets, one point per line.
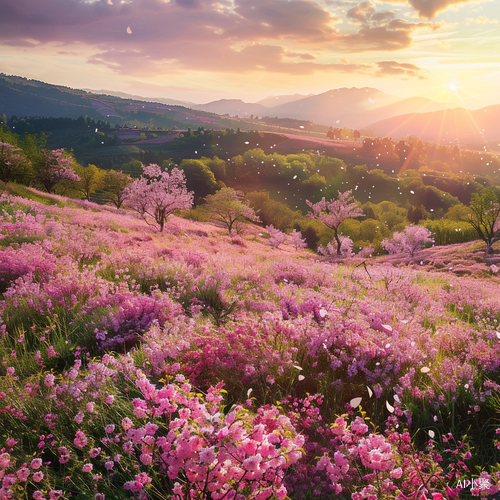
[157, 362]
[455, 126]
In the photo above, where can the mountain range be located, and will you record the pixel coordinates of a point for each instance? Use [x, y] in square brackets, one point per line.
[373, 112]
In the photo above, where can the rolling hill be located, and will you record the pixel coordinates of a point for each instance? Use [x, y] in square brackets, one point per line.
[457, 125]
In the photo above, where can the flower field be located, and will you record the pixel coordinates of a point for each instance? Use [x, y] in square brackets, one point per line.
[193, 364]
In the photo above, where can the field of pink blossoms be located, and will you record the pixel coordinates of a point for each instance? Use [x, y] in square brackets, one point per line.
[196, 365]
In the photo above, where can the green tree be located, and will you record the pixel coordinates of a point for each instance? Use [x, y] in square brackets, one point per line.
[91, 179]
[227, 206]
[199, 178]
[484, 217]
[115, 187]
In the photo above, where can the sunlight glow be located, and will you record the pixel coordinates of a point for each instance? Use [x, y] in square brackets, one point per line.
[453, 86]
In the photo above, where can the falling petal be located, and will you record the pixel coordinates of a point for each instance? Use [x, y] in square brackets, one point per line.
[355, 402]
[298, 367]
[412, 192]
[431, 433]
[301, 377]
[404, 321]
[498, 335]
[322, 312]
[294, 176]
[246, 142]
[302, 126]
[129, 31]
[389, 407]
[388, 327]
[425, 369]
[396, 398]
[110, 2]
[370, 392]
[249, 392]
[371, 100]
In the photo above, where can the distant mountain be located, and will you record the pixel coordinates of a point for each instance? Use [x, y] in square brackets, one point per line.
[456, 125]
[124, 95]
[233, 107]
[351, 108]
[276, 100]
[23, 97]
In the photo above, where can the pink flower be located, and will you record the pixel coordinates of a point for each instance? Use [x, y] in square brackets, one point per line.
[109, 428]
[49, 380]
[80, 440]
[109, 464]
[36, 463]
[252, 464]
[5, 460]
[23, 474]
[109, 399]
[79, 417]
[127, 424]
[38, 495]
[87, 468]
[375, 452]
[37, 476]
[11, 442]
[90, 407]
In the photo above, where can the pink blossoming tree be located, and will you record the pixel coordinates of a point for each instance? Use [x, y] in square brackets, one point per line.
[408, 241]
[333, 212]
[157, 193]
[52, 167]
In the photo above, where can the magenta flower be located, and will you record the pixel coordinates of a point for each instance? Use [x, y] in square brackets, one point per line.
[38, 476]
[80, 440]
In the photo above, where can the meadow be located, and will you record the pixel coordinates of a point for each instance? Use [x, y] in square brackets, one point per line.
[194, 364]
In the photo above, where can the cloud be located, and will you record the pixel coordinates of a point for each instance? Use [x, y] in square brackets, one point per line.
[393, 68]
[428, 9]
[480, 20]
[296, 37]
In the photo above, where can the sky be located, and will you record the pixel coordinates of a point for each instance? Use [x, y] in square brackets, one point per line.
[204, 50]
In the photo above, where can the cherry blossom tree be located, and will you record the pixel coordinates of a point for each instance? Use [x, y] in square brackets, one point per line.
[484, 217]
[408, 241]
[52, 167]
[14, 166]
[333, 212]
[158, 193]
[227, 206]
[346, 248]
[276, 237]
[296, 239]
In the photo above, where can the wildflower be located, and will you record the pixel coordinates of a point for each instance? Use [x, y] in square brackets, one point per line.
[94, 452]
[37, 476]
[49, 380]
[110, 428]
[87, 468]
[80, 440]
[79, 417]
[36, 463]
[23, 474]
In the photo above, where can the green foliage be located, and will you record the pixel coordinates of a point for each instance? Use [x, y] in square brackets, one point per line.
[199, 178]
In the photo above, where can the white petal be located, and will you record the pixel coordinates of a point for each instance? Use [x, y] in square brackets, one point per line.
[301, 377]
[370, 392]
[431, 433]
[249, 392]
[298, 367]
[355, 402]
[388, 327]
[425, 369]
[322, 313]
[498, 335]
[389, 407]
[129, 31]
